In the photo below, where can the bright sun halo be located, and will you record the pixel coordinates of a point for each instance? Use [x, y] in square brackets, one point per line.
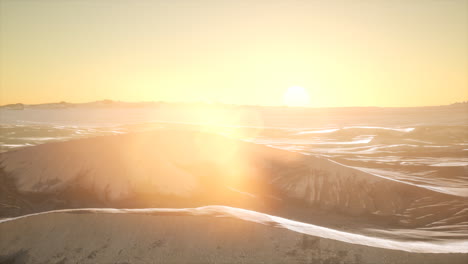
[296, 96]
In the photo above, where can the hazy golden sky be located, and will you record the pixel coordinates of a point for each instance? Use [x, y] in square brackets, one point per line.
[343, 53]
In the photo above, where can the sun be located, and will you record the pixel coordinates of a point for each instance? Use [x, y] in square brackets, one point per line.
[296, 96]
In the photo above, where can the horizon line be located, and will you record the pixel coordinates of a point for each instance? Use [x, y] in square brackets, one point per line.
[110, 101]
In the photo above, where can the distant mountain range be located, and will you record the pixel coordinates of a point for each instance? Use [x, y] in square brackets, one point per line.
[63, 104]
[120, 104]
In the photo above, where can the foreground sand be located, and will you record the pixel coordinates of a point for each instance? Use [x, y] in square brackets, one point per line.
[213, 234]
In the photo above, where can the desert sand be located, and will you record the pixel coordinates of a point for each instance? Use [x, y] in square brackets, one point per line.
[213, 234]
[343, 214]
[179, 168]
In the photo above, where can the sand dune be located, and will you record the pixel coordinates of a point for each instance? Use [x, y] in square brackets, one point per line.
[212, 234]
[296, 208]
[173, 168]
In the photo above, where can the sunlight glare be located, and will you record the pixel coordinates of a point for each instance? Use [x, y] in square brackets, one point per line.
[296, 96]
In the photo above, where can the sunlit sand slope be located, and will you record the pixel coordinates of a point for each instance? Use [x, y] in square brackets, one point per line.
[171, 168]
[213, 234]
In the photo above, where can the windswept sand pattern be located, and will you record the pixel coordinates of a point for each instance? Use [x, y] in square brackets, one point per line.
[334, 186]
